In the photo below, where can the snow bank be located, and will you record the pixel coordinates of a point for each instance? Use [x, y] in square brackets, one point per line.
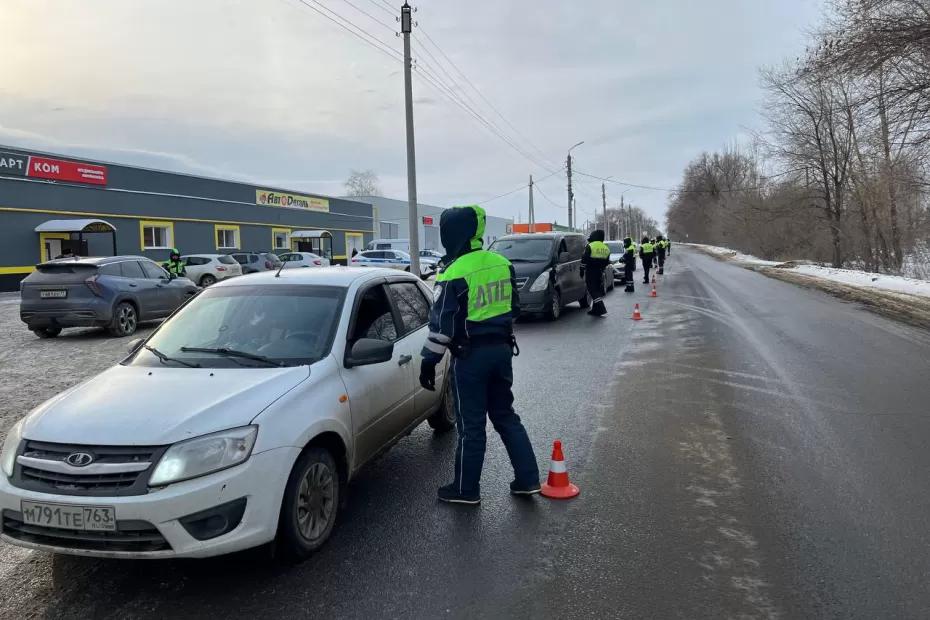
[865, 279]
[734, 255]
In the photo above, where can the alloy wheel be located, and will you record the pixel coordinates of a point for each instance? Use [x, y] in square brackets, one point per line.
[315, 501]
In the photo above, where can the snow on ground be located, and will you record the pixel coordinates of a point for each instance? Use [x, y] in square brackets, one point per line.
[734, 255]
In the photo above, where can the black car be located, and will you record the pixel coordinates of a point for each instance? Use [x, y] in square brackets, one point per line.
[548, 269]
[253, 262]
[116, 292]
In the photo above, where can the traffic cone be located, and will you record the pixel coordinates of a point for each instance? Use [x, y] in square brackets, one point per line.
[654, 293]
[558, 486]
[636, 315]
[653, 279]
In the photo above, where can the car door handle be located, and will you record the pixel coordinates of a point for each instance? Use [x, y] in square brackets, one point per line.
[404, 359]
[133, 284]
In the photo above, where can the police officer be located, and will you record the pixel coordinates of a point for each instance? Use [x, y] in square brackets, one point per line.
[472, 316]
[646, 254]
[661, 246]
[629, 263]
[595, 260]
[174, 265]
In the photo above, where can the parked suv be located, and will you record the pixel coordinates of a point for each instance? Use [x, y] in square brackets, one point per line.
[207, 269]
[116, 292]
[548, 270]
[253, 262]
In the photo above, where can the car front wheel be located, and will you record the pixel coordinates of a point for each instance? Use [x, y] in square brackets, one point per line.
[444, 418]
[47, 332]
[554, 311]
[311, 503]
[207, 280]
[125, 320]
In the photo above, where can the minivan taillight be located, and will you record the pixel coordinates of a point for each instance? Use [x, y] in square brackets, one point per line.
[94, 287]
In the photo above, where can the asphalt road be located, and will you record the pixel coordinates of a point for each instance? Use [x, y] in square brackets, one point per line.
[749, 449]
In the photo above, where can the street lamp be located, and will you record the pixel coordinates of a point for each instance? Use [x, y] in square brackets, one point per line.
[571, 195]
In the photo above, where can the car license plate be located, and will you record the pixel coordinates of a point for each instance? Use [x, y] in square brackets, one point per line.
[53, 294]
[69, 517]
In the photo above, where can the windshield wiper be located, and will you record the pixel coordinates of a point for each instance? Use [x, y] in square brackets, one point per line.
[526, 260]
[233, 353]
[164, 359]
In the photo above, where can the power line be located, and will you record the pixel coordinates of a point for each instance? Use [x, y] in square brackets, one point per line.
[370, 16]
[543, 194]
[384, 7]
[375, 42]
[386, 4]
[683, 191]
[524, 186]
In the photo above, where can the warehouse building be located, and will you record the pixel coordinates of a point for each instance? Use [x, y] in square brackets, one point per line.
[52, 205]
[392, 222]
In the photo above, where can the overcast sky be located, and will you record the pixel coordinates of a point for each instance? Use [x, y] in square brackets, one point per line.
[270, 91]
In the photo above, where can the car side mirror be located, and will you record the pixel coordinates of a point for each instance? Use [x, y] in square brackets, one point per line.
[564, 257]
[367, 351]
[134, 345]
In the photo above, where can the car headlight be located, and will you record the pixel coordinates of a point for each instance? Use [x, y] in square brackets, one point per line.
[541, 282]
[10, 446]
[204, 455]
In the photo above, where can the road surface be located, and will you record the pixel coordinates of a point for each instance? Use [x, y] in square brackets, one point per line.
[749, 449]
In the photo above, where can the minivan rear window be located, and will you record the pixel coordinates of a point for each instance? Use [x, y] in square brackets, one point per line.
[227, 260]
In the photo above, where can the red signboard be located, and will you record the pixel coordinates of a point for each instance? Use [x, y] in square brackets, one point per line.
[427, 220]
[61, 170]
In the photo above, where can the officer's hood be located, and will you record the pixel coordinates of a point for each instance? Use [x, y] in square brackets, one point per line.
[174, 252]
[461, 230]
[627, 241]
[596, 235]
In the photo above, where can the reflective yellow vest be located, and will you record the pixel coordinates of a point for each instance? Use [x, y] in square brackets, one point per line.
[599, 249]
[487, 275]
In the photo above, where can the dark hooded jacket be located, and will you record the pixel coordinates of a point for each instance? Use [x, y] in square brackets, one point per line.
[461, 230]
[594, 267]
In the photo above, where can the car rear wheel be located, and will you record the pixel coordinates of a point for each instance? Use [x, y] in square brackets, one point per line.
[47, 332]
[125, 320]
[444, 418]
[554, 311]
[208, 280]
[311, 503]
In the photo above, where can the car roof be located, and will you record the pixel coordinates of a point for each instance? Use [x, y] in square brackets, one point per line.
[545, 235]
[94, 260]
[205, 255]
[324, 276]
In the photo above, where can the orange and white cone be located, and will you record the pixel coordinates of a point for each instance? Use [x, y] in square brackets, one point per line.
[654, 293]
[636, 315]
[558, 486]
[653, 279]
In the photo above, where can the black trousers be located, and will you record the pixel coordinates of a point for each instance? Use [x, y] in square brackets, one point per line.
[481, 385]
[628, 268]
[661, 256]
[647, 265]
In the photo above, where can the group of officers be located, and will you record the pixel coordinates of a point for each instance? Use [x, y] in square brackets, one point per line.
[476, 328]
[596, 260]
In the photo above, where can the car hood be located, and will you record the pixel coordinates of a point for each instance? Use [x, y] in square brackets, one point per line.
[529, 269]
[135, 405]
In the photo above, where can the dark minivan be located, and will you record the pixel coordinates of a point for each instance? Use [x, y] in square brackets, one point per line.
[548, 269]
[117, 292]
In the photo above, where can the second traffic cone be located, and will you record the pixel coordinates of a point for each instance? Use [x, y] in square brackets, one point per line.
[558, 486]
[636, 315]
[653, 293]
[653, 279]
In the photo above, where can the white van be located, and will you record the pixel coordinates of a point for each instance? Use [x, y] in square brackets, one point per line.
[390, 244]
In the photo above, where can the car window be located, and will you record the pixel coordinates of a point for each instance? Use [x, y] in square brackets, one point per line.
[575, 245]
[153, 271]
[373, 254]
[382, 246]
[241, 258]
[412, 305]
[226, 260]
[253, 258]
[195, 261]
[131, 269]
[374, 318]
[110, 270]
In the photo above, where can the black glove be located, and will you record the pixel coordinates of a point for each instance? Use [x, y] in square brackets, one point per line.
[428, 375]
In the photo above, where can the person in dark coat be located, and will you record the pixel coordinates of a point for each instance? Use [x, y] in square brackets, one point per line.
[661, 246]
[596, 259]
[629, 263]
[647, 254]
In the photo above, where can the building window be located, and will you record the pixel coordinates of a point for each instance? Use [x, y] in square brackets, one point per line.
[227, 237]
[281, 238]
[389, 230]
[156, 235]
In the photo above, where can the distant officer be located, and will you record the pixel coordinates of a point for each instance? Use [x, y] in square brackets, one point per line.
[629, 263]
[661, 247]
[596, 259]
[472, 316]
[174, 265]
[647, 255]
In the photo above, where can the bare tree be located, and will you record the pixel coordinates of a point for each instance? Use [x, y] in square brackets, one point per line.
[362, 183]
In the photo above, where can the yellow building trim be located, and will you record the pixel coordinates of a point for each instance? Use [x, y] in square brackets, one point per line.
[340, 256]
[16, 270]
[155, 217]
[49, 235]
[156, 224]
[274, 231]
[216, 236]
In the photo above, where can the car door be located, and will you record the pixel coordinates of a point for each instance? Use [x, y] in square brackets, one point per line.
[381, 395]
[413, 305]
[167, 293]
[572, 273]
[141, 288]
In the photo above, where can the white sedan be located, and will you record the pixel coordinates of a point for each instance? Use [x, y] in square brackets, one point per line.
[293, 260]
[392, 259]
[207, 269]
[238, 422]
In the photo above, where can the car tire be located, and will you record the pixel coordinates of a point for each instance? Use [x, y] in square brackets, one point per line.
[444, 418]
[125, 320]
[47, 332]
[554, 311]
[306, 522]
[207, 280]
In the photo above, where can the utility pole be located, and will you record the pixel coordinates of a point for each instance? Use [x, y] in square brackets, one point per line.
[623, 233]
[571, 195]
[406, 26]
[532, 214]
[604, 203]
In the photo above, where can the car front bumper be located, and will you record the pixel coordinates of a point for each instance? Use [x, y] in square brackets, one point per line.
[534, 302]
[260, 480]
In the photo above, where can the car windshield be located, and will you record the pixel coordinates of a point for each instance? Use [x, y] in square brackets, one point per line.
[616, 247]
[290, 325]
[523, 249]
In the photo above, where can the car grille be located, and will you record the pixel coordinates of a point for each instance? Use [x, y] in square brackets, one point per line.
[115, 471]
[130, 535]
[521, 282]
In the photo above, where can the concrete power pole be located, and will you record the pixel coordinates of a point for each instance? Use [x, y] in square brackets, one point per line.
[532, 214]
[604, 203]
[571, 196]
[406, 25]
